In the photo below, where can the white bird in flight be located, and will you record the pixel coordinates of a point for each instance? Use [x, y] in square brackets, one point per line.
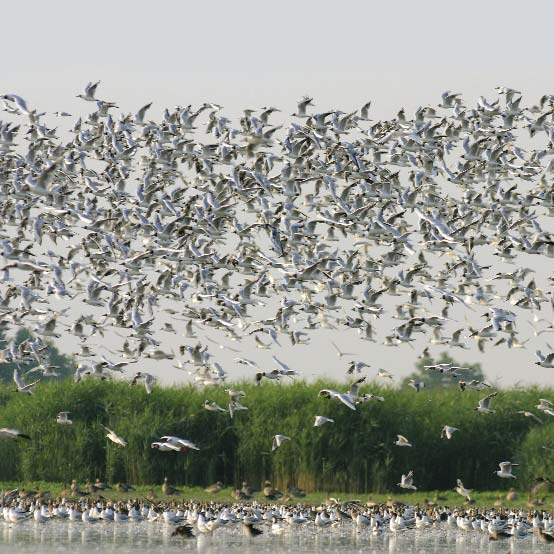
[447, 431]
[407, 481]
[184, 444]
[322, 420]
[116, 439]
[506, 470]
[6, 433]
[63, 418]
[402, 441]
[278, 440]
[21, 386]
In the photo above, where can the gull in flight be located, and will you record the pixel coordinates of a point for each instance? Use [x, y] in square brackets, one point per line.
[384, 374]
[485, 403]
[63, 418]
[460, 489]
[322, 420]
[148, 379]
[184, 444]
[447, 431]
[402, 441]
[545, 361]
[21, 386]
[473, 385]
[530, 414]
[6, 433]
[116, 439]
[407, 481]
[545, 406]
[356, 367]
[213, 406]
[165, 447]
[345, 398]
[506, 470]
[416, 385]
[340, 353]
[278, 440]
[89, 92]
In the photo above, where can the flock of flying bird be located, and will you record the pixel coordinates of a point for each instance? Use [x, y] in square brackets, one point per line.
[260, 233]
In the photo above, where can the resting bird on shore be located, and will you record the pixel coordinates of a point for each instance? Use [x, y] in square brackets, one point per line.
[215, 488]
[167, 489]
[271, 493]
[250, 531]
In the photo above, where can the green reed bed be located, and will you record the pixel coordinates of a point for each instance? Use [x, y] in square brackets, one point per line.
[356, 454]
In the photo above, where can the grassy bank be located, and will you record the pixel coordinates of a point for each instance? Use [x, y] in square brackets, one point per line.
[355, 454]
[486, 499]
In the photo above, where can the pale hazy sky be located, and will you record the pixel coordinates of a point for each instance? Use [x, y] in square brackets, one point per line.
[253, 54]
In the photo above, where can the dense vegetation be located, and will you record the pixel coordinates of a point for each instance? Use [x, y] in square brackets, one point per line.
[64, 365]
[354, 454]
[435, 379]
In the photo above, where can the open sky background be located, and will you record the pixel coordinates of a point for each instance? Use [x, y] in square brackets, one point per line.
[249, 54]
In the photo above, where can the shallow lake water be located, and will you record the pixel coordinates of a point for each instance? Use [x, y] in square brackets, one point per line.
[139, 538]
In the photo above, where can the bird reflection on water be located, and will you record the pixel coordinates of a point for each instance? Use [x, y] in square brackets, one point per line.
[143, 537]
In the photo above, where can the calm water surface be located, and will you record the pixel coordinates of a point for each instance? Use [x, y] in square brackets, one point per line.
[139, 538]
